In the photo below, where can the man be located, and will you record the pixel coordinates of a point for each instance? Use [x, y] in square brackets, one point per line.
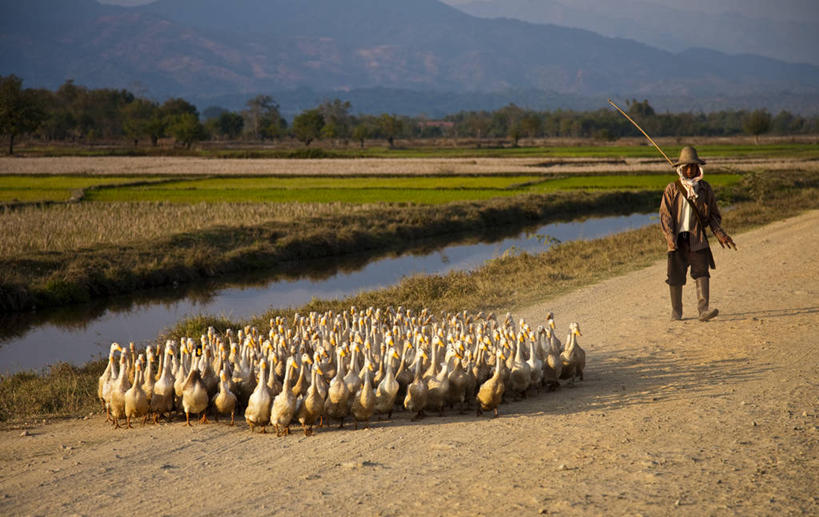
[688, 206]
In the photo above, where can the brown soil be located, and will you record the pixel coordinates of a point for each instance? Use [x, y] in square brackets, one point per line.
[715, 418]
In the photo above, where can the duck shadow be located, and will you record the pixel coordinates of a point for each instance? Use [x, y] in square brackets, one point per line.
[615, 383]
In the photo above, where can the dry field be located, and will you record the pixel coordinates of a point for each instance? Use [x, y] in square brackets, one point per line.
[66, 227]
[371, 166]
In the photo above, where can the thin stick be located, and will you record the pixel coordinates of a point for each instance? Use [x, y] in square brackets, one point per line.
[643, 132]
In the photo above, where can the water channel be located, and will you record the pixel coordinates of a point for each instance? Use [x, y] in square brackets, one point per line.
[78, 334]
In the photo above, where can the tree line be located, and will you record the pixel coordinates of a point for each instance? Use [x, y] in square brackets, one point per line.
[78, 114]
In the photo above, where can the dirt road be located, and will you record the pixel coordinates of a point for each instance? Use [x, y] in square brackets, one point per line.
[692, 418]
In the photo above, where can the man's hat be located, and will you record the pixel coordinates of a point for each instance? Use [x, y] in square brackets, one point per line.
[688, 155]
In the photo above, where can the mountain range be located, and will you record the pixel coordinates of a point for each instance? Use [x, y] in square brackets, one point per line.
[785, 30]
[411, 54]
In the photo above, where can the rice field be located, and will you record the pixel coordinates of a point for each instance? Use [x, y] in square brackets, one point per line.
[52, 188]
[419, 190]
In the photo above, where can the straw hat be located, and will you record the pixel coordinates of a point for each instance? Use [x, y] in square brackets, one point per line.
[688, 155]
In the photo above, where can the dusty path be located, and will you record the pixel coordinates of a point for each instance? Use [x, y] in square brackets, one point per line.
[685, 417]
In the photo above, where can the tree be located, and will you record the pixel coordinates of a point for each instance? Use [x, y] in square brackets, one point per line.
[361, 132]
[531, 124]
[337, 120]
[756, 123]
[138, 118]
[640, 109]
[262, 118]
[390, 126]
[230, 124]
[187, 129]
[19, 111]
[178, 106]
[307, 125]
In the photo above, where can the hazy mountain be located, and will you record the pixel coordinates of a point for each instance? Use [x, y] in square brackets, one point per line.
[783, 30]
[409, 53]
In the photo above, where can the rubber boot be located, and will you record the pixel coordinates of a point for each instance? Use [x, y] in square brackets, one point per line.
[676, 302]
[702, 299]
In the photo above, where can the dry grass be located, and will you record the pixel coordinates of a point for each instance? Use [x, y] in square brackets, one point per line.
[63, 228]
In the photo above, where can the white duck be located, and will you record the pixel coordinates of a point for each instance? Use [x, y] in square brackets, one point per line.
[257, 412]
[284, 405]
[136, 401]
[573, 357]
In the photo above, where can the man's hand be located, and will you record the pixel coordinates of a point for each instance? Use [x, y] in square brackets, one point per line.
[726, 241]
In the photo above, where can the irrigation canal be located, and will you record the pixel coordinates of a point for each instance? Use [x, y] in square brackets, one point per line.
[81, 333]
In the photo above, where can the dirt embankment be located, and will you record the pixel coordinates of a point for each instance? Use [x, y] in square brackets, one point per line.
[715, 418]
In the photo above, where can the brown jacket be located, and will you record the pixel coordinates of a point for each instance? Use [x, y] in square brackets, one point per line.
[671, 209]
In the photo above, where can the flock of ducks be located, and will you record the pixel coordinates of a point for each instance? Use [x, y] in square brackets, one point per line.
[332, 366]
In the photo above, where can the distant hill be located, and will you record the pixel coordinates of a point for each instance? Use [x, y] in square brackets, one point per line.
[744, 28]
[207, 50]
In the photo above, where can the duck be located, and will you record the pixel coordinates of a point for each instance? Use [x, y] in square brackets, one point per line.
[403, 375]
[458, 382]
[387, 389]
[195, 396]
[438, 388]
[550, 328]
[163, 392]
[225, 400]
[148, 374]
[481, 369]
[338, 394]
[364, 401]
[573, 357]
[210, 379]
[106, 381]
[284, 404]
[553, 365]
[417, 392]
[535, 367]
[352, 380]
[257, 412]
[311, 406]
[471, 383]
[136, 400]
[300, 386]
[120, 386]
[491, 392]
[181, 374]
[520, 376]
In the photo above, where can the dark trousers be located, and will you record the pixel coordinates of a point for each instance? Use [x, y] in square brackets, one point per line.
[682, 258]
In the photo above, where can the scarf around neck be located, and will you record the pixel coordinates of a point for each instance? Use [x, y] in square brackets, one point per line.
[690, 184]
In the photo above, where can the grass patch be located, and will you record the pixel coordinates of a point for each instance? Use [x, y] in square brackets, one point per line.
[61, 390]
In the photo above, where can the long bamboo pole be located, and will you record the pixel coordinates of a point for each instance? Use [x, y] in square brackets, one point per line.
[643, 132]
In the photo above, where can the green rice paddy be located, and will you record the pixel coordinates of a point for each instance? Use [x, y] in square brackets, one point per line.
[311, 189]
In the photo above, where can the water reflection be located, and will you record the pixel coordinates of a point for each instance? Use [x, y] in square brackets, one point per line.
[79, 333]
